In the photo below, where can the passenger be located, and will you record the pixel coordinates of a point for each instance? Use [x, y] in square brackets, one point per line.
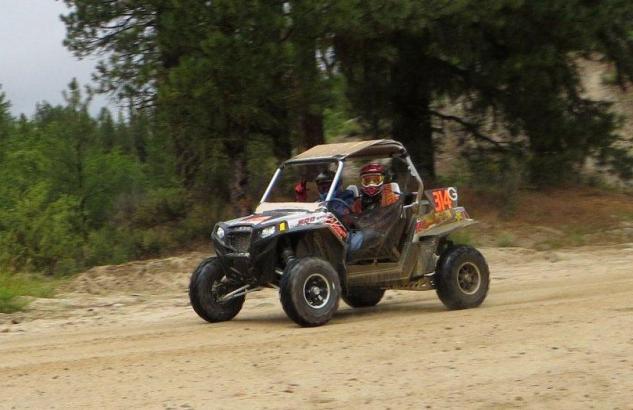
[374, 192]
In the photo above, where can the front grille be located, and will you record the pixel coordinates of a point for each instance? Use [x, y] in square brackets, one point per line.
[239, 239]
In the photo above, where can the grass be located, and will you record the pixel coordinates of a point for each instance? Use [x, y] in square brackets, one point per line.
[576, 215]
[463, 237]
[572, 237]
[626, 216]
[14, 287]
[505, 240]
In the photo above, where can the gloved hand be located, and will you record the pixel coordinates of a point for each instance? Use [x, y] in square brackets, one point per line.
[301, 191]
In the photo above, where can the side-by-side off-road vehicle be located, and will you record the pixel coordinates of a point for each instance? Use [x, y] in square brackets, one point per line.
[303, 248]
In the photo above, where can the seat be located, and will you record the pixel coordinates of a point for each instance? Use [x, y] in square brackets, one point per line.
[395, 188]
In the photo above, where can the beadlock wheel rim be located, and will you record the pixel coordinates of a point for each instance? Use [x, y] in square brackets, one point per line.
[316, 291]
[468, 278]
[218, 289]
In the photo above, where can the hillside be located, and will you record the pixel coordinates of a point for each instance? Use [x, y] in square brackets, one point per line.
[550, 219]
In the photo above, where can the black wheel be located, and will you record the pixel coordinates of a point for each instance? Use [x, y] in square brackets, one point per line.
[207, 285]
[462, 277]
[309, 291]
[363, 297]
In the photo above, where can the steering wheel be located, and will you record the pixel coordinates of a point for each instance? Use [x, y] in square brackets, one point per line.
[345, 204]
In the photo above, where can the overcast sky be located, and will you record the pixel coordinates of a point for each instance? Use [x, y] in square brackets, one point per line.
[34, 65]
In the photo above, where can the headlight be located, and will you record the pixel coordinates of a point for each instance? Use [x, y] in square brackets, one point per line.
[267, 231]
[220, 232]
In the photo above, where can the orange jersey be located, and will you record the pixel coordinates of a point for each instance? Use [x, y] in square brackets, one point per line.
[388, 198]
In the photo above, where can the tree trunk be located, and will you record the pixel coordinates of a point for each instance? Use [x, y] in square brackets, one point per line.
[312, 127]
[411, 104]
[186, 160]
[308, 75]
[239, 182]
[412, 127]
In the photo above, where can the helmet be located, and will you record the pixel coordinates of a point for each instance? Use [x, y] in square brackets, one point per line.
[372, 178]
[324, 181]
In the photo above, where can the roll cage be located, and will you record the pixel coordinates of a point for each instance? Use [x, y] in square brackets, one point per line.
[329, 153]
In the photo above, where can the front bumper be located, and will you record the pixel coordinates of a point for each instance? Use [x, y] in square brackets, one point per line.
[253, 264]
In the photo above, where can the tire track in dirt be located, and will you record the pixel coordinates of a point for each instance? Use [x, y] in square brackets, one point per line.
[555, 332]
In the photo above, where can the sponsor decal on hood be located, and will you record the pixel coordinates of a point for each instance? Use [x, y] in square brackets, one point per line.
[256, 219]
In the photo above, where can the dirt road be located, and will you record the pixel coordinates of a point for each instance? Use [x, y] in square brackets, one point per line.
[555, 332]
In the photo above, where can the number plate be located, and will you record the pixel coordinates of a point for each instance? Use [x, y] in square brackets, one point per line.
[442, 198]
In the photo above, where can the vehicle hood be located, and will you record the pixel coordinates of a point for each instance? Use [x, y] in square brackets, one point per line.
[267, 218]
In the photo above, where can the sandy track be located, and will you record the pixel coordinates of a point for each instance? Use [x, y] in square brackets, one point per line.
[555, 332]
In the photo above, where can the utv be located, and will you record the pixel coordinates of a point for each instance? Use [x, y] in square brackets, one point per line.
[303, 248]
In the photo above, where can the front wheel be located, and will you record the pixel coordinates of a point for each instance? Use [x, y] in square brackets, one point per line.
[462, 278]
[309, 292]
[207, 285]
[363, 297]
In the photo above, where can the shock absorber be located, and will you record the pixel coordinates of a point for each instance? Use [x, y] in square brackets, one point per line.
[288, 257]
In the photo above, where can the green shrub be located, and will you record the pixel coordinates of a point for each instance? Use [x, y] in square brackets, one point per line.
[462, 237]
[505, 240]
[572, 237]
[160, 206]
[10, 302]
[41, 235]
[501, 176]
[14, 286]
[203, 216]
[109, 245]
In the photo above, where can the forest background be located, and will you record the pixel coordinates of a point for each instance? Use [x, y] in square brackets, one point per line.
[216, 93]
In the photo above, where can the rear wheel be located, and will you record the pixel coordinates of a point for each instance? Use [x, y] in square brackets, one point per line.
[363, 297]
[462, 277]
[309, 291]
[207, 286]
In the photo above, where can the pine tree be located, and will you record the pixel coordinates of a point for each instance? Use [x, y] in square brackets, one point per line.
[58, 186]
[514, 60]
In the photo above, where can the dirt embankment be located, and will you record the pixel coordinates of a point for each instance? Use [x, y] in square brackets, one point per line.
[555, 332]
[550, 219]
[149, 276]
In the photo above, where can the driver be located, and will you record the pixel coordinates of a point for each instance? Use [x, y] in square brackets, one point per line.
[323, 181]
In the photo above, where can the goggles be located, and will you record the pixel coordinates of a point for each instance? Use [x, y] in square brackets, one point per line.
[372, 180]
